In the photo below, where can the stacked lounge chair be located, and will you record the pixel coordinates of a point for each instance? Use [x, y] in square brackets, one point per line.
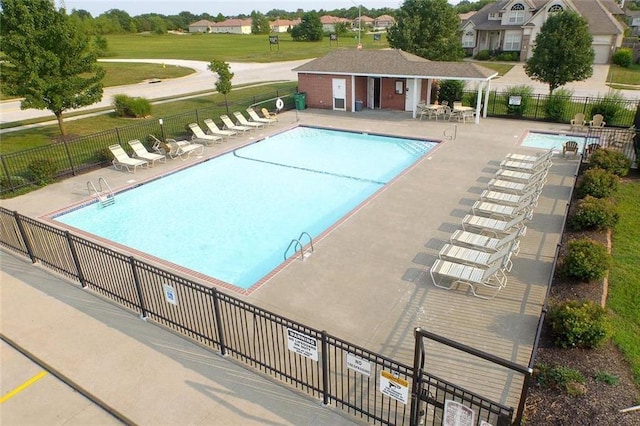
[479, 255]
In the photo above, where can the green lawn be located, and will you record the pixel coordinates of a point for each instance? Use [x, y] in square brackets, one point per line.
[501, 69]
[228, 47]
[119, 74]
[622, 78]
[624, 277]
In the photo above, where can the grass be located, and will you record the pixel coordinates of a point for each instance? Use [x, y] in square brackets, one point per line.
[501, 69]
[622, 78]
[624, 277]
[228, 47]
[119, 74]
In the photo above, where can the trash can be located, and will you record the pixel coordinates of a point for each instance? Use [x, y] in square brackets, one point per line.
[301, 100]
[358, 105]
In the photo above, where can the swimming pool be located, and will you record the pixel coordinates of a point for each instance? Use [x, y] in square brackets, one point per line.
[555, 141]
[232, 217]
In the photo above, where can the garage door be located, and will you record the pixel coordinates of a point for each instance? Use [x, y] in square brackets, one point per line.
[602, 54]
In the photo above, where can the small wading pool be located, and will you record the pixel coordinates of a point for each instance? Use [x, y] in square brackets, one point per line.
[556, 141]
[233, 217]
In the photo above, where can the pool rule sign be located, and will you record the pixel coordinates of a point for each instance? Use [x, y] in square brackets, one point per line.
[302, 344]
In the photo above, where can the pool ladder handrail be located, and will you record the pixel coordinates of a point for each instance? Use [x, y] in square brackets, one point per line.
[105, 196]
[296, 243]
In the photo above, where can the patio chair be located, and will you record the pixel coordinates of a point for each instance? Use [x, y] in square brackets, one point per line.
[522, 177]
[526, 166]
[121, 159]
[492, 278]
[494, 226]
[200, 136]
[139, 151]
[213, 129]
[494, 210]
[512, 187]
[484, 242]
[474, 257]
[228, 124]
[507, 199]
[255, 117]
[244, 122]
[270, 115]
[180, 149]
[570, 146]
[545, 156]
[444, 112]
[591, 148]
[597, 121]
[577, 123]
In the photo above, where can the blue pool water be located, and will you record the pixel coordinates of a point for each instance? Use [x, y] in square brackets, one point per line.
[233, 217]
[555, 141]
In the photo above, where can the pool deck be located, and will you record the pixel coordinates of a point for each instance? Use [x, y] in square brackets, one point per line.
[368, 280]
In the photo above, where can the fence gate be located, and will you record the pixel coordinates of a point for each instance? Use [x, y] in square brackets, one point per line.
[435, 401]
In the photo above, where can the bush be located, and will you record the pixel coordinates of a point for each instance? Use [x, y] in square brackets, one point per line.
[612, 161]
[483, 55]
[127, 106]
[594, 213]
[597, 183]
[623, 57]
[585, 260]
[6, 183]
[609, 106]
[508, 56]
[451, 90]
[524, 93]
[559, 377]
[41, 171]
[578, 324]
[557, 103]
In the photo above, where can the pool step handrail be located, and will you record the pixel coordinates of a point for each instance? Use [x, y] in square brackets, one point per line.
[104, 195]
[297, 244]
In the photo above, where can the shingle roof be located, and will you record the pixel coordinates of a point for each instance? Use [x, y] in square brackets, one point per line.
[600, 19]
[392, 63]
[201, 23]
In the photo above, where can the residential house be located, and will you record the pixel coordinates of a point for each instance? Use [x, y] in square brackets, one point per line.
[362, 22]
[633, 19]
[329, 23]
[232, 26]
[202, 26]
[282, 25]
[383, 22]
[512, 25]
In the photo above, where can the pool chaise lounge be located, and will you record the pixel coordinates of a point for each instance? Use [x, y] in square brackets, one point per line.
[544, 157]
[121, 159]
[509, 199]
[489, 209]
[255, 117]
[182, 149]
[452, 273]
[213, 129]
[523, 177]
[199, 136]
[486, 242]
[140, 152]
[495, 226]
[228, 124]
[475, 257]
[242, 121]
[512, 187]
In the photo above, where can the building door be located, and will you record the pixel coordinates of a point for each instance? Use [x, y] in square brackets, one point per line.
[373, 92]
[412, 90]
[339, 93]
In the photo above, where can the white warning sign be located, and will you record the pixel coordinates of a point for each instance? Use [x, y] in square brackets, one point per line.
[394, 387]
[170, 294]
[358, 364]
[456, 414]
[302, 344]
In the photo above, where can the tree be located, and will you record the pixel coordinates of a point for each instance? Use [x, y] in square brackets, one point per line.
[309, 28]
[48, 60]
[223, 84]
[563, 52]
[427, 28]
[259, 23]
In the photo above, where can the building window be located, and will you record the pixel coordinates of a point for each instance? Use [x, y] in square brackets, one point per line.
[555, 8]
[516, 15]
[469, 39]
[512, 42]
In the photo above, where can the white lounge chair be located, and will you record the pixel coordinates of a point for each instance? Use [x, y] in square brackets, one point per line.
[508, 199]
[255, 117]
[492, 278]
[121, 159]
[525, 166]
[545, 156]
[228, 124]
[512, 187]
[244, 122]
[213, 129]
[201, 137]
[182, 149]
[486, 242]
[139, 151]
[495, 226]
[522, 177]
[485, 208]
[474, 257]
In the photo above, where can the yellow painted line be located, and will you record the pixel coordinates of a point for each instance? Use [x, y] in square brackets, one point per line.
[23, 386]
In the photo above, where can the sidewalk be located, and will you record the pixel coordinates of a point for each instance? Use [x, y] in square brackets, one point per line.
[148, 375]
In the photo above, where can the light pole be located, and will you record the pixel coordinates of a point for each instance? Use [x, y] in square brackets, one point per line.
[359, 22]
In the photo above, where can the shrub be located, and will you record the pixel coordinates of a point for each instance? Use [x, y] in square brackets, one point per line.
[483, 55]
[559, 377]
[623, 57]
[6, 183]
[520, 93]
[451, 90]
[578, 324]
[612, 161]
[594, 213]
[597, 183]
[41, 171]
[556, 104]
[127, 106]
[609, 106]
[507, 56]
[585, 260]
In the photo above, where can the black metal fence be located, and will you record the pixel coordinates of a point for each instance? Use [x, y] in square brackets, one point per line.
[368, 385]
[74, 156]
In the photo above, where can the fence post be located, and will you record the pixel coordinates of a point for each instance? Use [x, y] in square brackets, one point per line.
[66, 148]
[23, 235]
[216, 314]
[118, 136]
[76, 261]
[6, 172]
[325, 368]
[416, 385]
[136, 281]
[197, 117]
[535, 114]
